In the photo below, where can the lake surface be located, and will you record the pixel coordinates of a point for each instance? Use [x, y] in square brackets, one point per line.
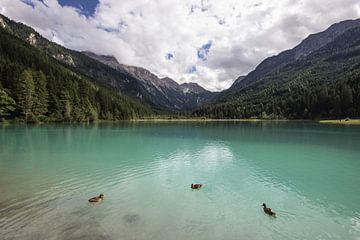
[308, 173]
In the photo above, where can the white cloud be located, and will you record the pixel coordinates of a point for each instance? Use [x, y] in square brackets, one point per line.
[242, 32]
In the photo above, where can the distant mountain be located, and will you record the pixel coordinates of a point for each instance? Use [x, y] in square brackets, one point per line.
[194, 88]
[162, 92]
[41, 84]
[134, 81]
[305, 48]
[320, 78]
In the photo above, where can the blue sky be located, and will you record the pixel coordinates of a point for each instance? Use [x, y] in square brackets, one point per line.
[169, 56]
[203, 52]
[28, 2]
[87, 7]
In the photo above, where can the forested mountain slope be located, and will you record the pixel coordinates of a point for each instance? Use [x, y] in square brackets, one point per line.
[35, 87]
[324, 84]
[312, 43]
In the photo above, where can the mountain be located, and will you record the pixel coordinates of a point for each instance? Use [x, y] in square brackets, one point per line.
[42, 81]
[134, 81]
[161, 92]
[320, 78]
[312, 43]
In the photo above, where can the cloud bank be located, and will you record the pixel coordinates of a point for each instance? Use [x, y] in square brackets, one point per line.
[210, 42]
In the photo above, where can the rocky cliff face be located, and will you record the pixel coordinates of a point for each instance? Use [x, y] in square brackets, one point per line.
[161, 92]
[31, 39]
[67, 59]
[2, 23]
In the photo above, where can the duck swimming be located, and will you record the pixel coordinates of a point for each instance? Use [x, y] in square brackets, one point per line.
[97, 198]
[196, 186]
[268, 210]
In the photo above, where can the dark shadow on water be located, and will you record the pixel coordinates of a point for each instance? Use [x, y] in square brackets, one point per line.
[131, 218]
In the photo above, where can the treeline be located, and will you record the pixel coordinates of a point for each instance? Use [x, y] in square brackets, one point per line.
[304, 98]
[36, 88]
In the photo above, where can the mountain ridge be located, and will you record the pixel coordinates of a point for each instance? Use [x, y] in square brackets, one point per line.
[323, 84]
[172, 94]
[310, 44]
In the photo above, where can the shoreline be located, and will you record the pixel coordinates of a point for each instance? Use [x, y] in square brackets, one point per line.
[208, 120]
[159, 120]
[341, 121]
[323, 121]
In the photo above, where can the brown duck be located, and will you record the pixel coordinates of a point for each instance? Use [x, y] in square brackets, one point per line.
[196, 186]
[268, 210]
[97, 198]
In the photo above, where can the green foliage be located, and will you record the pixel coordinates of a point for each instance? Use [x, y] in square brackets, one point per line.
[7, 104]
[40, 106]
[25, 92]
[301, 101]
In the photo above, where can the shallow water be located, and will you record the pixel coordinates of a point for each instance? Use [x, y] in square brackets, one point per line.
[308, 173]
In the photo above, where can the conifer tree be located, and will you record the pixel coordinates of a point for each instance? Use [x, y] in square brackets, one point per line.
[41, 97]
[25, 91]
[7, 104]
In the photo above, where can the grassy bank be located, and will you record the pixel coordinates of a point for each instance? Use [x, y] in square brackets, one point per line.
[342, 121]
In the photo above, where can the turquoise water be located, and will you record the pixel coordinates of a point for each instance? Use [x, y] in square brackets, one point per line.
[308, 173]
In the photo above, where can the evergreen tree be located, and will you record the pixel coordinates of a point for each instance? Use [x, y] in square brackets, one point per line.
[41, 97]
[89, 111]
[65, 106]
[7, 104]
[25, 90]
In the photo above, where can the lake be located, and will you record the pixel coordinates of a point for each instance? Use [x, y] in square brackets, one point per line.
[308, 173]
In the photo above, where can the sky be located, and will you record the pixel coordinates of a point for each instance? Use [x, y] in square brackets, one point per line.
[210, 42]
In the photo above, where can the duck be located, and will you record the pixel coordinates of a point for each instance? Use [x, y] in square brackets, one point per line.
[268, 210]
[196, 185]
[97, 198]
